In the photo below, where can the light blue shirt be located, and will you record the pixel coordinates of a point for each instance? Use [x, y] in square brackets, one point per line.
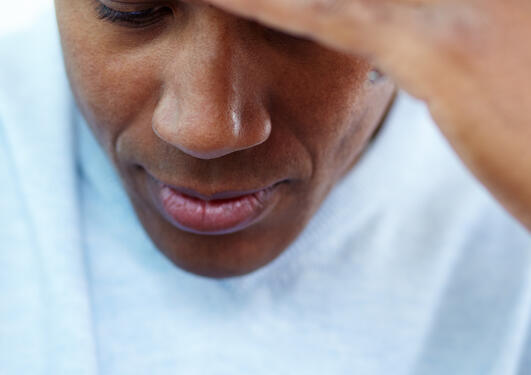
[408, 268]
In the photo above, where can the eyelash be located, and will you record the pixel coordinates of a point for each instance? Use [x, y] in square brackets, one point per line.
[142, 18]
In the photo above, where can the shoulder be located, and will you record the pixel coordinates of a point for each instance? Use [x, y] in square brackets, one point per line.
[30, 64]
[35, 98]
[36, 103]
[30, 46]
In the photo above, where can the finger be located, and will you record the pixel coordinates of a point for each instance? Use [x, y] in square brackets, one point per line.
[344, 24]
[405, 39]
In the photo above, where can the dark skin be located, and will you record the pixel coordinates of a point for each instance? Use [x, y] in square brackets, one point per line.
[469, 60]
[215, 102]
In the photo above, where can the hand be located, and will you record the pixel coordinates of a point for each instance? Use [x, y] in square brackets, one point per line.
[469, 60]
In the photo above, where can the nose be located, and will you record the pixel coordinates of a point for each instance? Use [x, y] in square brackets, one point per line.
[212, 104]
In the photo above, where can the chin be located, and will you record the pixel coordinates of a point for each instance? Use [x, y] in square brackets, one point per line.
[224, 255]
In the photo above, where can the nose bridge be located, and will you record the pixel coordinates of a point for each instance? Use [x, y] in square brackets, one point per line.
[210, 62]
[205, 93]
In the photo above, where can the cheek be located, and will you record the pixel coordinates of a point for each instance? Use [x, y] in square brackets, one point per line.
[337, 115]
[326, 109]
[360, 126]
[113, 90]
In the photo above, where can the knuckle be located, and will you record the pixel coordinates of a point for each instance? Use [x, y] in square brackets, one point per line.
[325, 7]
[456, 31]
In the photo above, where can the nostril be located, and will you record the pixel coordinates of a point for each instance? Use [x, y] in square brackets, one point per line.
[212, 129]
[209, 142]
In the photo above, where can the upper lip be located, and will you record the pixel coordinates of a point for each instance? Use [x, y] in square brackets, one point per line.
[222, 195]
[218, 195]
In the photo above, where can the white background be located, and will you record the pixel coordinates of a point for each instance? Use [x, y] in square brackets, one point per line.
[19, 13]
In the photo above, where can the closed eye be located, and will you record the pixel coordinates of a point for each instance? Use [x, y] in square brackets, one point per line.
[136, 18]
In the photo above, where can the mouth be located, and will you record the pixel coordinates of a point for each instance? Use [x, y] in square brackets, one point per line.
[221, 213]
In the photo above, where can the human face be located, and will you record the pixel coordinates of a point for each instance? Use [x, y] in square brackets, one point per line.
[227, 135]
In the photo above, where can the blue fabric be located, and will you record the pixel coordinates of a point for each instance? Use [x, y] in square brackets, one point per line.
[409, 267]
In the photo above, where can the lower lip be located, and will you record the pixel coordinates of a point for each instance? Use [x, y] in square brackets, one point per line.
[215, 216]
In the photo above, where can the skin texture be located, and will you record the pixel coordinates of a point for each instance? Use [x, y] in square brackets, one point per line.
[214, 102]
[468, 59]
